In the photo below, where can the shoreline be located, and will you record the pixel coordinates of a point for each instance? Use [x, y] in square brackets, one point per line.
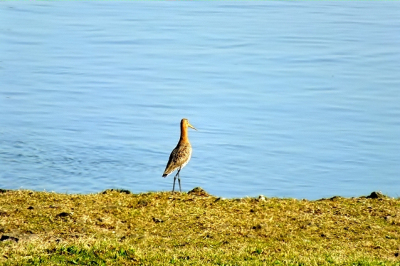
[372, 195]
[116, 227]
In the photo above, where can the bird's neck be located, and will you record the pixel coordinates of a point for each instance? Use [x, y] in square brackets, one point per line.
[184, 134]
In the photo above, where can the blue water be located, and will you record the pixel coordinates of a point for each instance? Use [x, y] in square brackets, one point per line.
[290, 99]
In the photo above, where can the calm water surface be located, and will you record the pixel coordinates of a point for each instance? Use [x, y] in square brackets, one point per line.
[291, 99]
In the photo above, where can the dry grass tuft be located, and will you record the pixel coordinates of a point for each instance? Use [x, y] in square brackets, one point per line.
[116, 227]
[198, 191]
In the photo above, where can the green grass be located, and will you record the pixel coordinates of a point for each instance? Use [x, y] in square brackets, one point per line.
[119, 228]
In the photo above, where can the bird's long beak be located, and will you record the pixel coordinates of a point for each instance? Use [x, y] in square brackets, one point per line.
[189, 125]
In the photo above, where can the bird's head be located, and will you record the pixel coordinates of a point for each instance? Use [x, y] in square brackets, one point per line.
[185, 123]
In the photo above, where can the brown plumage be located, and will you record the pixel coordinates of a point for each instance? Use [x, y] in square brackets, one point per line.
[180, 156]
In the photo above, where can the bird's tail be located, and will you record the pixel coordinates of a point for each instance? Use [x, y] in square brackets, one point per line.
[164, 175]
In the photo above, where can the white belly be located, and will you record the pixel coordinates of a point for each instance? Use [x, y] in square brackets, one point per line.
[185, 163]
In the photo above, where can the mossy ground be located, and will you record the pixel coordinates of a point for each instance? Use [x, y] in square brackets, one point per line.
[161, 228]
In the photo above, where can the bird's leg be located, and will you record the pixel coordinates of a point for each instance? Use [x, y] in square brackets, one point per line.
[179, 180]
[173, 188]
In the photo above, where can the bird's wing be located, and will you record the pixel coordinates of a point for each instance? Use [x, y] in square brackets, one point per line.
[177, 158]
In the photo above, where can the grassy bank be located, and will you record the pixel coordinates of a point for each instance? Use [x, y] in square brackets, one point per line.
[119, 228]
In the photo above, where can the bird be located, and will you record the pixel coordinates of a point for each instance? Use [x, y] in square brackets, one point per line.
[180, 156]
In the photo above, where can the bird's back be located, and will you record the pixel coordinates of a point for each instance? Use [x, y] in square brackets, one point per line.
[179, 157]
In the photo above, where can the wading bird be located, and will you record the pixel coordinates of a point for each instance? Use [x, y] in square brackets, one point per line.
[180, 156]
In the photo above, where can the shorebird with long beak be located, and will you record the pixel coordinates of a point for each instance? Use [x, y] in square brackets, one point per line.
[180, 156]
